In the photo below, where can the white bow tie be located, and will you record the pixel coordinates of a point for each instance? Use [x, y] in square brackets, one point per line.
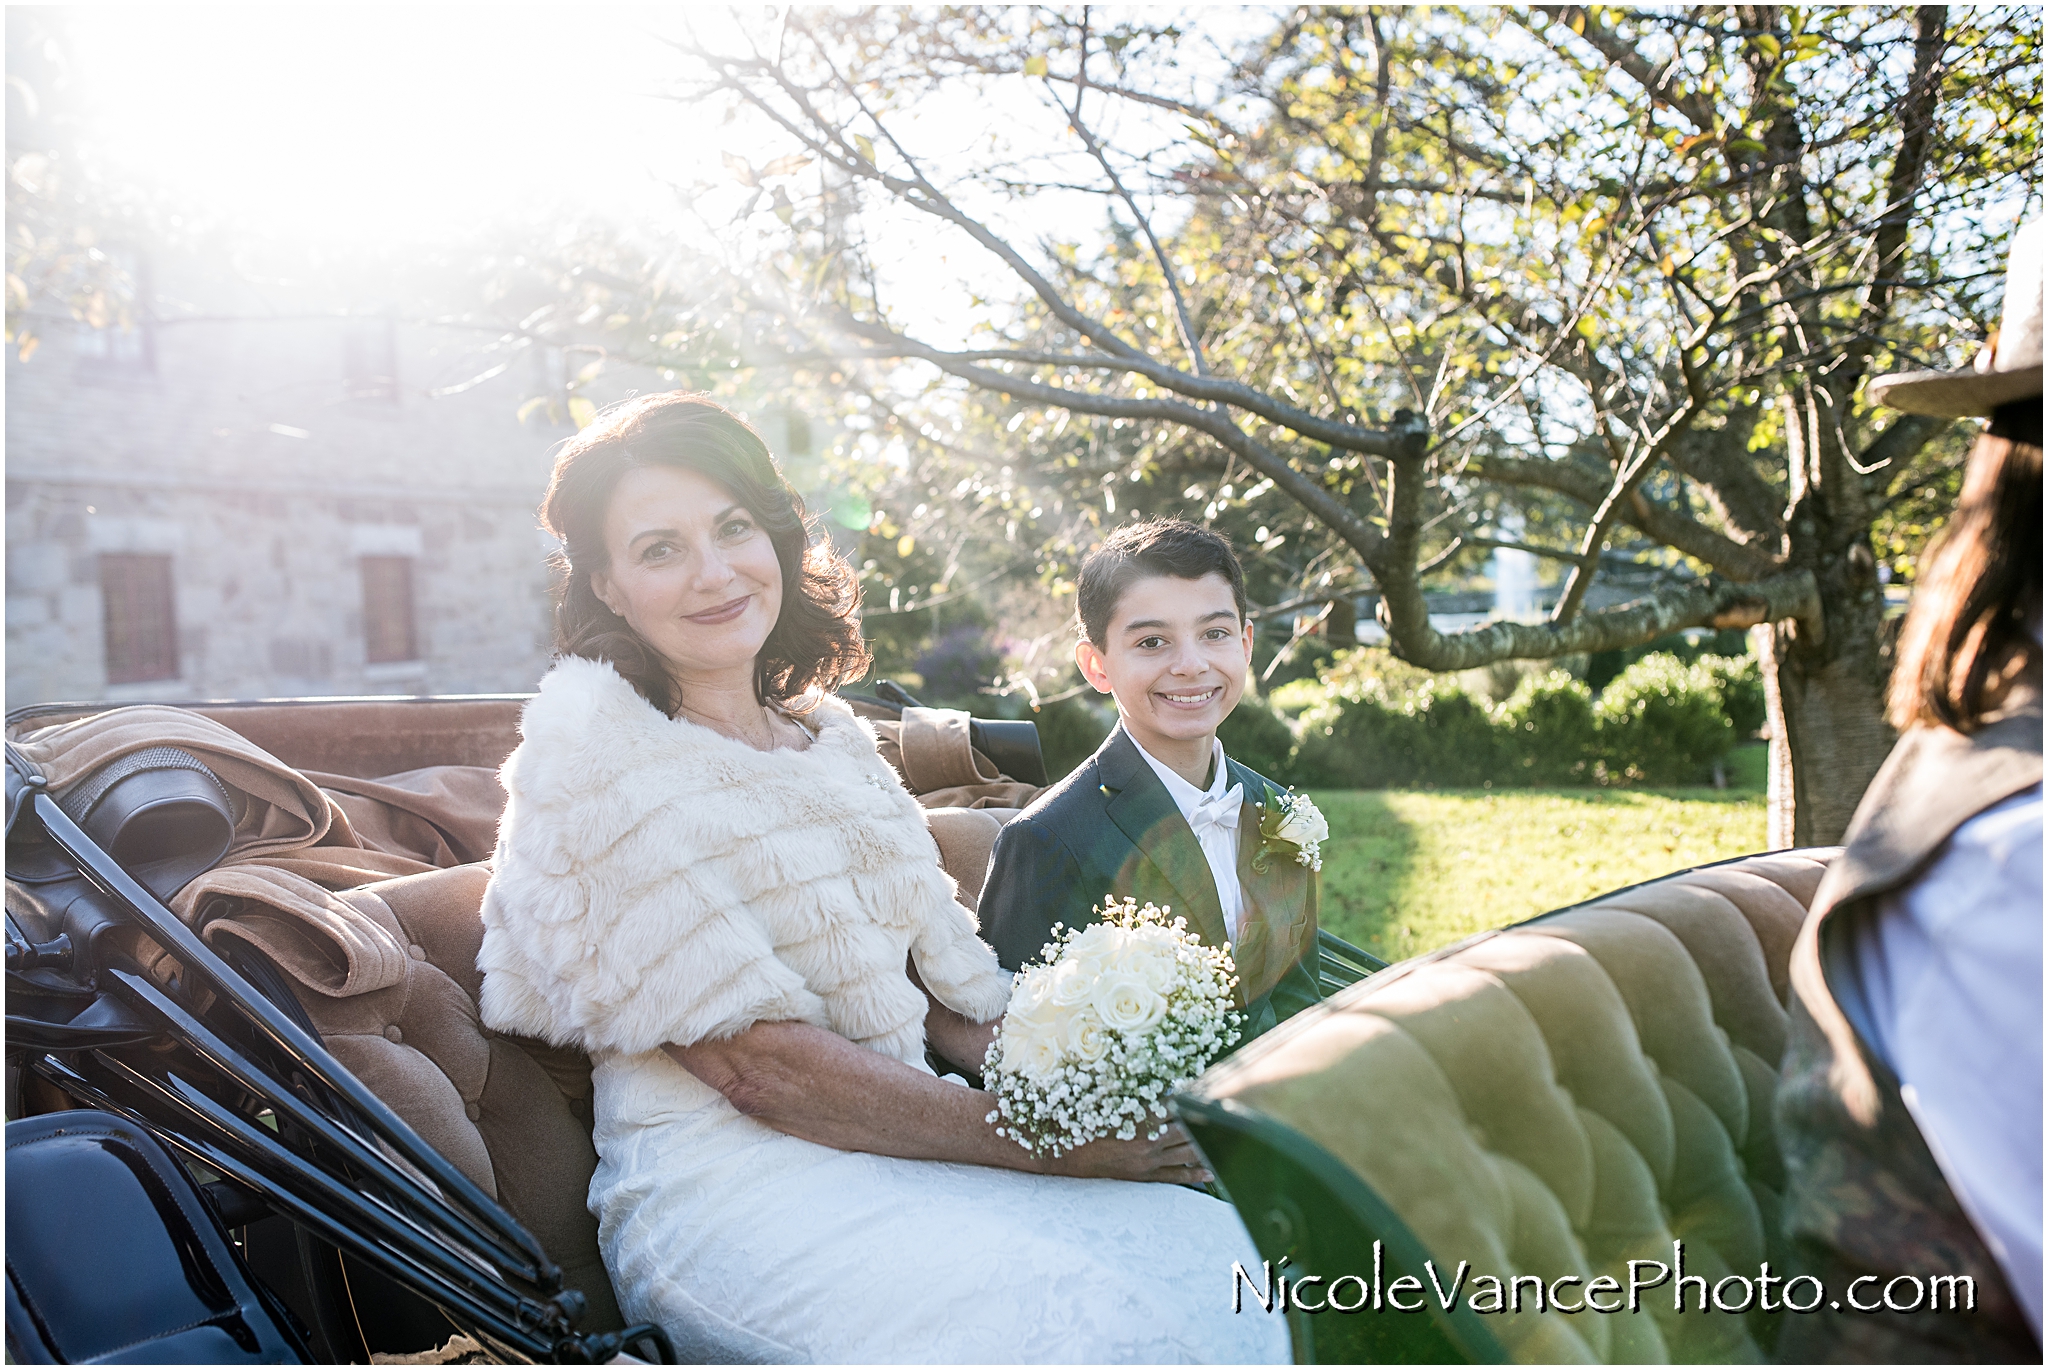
[1220, 812]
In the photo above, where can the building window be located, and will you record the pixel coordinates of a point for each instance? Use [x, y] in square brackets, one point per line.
[114, 327]
[369, 359]
[388, 633]
[141, 622]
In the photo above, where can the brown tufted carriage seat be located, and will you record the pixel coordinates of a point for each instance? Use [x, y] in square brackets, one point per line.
[1551, 1099]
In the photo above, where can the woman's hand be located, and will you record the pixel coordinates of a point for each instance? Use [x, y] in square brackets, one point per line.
[1170, 1158]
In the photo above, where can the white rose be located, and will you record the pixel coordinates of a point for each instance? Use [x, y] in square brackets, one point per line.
[1072, 979]
[1096, 942]
[1127, 1003]
[1151, 959]
[1161, 971]
[1030, 1047]
[1304, 823]
[1085, 1039]
[1030, 989]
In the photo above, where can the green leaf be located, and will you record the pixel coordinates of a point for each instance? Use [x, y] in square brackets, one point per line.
[582, 411]
[1034, 66]
[1767, 45]
[526, 410]
[866, 147]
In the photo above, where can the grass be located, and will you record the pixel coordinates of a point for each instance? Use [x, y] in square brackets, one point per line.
[1408, 871]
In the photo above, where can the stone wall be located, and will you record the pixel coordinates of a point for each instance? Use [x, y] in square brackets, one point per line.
[250, 455]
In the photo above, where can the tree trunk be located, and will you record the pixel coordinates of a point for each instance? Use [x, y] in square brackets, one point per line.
[1824, 691]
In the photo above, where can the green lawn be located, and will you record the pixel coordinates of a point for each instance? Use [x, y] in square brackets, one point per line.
[1408, 871]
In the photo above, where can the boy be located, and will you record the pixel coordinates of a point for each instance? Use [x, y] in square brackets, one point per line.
[1159, 813]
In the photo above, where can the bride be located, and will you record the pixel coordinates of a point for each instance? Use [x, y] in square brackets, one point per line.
[708, 880]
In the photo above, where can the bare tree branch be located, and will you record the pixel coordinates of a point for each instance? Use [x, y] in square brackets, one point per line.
[1702, 604]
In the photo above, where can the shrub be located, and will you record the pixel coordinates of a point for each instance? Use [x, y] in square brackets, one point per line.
[1364, 739]
[1739, 680]
[1297, 697]
[1661, 721]
[1549, 735]
[1457, 743]
[1357, 741]
[1356, 670]
[1259, 738]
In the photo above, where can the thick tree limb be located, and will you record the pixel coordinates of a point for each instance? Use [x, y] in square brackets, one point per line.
[1720, 460]
[1653, 520]
[1703, 604]
[1909, 170]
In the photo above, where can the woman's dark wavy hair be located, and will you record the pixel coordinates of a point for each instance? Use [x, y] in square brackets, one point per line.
[1970, 635]
[815, 644]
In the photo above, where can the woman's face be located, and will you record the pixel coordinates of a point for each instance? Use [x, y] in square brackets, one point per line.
[691, 570]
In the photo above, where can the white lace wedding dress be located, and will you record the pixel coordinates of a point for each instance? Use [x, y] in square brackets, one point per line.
[750, 1245]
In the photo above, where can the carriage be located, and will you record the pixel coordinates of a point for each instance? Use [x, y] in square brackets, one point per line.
[253, 1114]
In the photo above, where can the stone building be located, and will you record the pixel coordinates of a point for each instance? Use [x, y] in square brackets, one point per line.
[268, 487]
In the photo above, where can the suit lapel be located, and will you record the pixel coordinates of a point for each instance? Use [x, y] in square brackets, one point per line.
[1147, 815]
[1273, 900]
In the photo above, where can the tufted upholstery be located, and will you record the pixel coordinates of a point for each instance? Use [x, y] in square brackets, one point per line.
[513, 1114]
[1566, 1095]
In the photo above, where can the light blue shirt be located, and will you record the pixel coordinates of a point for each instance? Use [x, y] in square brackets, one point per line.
[1951, 978]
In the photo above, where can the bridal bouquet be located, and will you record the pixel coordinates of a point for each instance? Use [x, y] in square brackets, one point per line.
[1119, 1015]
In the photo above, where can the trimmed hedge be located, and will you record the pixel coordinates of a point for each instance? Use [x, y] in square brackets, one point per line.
[1662, 721]
[1551, 732]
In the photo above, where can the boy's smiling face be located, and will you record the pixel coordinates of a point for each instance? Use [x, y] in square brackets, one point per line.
[1175, 658]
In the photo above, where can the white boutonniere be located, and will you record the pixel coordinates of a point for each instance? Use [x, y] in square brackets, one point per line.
[1293, 823]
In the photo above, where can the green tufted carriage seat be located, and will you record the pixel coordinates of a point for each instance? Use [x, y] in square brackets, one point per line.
[1553, 1099]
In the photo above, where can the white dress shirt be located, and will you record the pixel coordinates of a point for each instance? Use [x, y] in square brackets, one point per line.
[1951, 976]
[1213, 814]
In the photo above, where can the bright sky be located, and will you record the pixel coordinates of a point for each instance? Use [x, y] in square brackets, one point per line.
[339, 123]
[335, 125]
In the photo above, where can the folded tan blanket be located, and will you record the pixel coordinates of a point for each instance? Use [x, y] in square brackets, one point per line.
[934, 753]
[281, 809]
[298, 838]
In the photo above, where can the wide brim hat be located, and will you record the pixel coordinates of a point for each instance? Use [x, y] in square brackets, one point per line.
[2009, 367]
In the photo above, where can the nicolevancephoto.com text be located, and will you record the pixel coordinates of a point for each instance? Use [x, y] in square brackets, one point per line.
[1274, 1290]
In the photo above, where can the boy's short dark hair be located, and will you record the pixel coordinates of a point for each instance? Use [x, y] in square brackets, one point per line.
[1152, 547]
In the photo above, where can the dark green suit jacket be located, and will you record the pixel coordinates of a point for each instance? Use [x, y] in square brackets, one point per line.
[1110, 830]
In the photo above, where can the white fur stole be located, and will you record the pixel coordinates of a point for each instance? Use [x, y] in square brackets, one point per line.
[658, 882]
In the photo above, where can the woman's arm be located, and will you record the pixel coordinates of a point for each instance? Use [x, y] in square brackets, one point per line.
[952, 1034]
[814, 1084]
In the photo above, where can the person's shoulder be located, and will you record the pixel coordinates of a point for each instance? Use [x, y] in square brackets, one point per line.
[586, 730]
[580, 700]
[1078, 792]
